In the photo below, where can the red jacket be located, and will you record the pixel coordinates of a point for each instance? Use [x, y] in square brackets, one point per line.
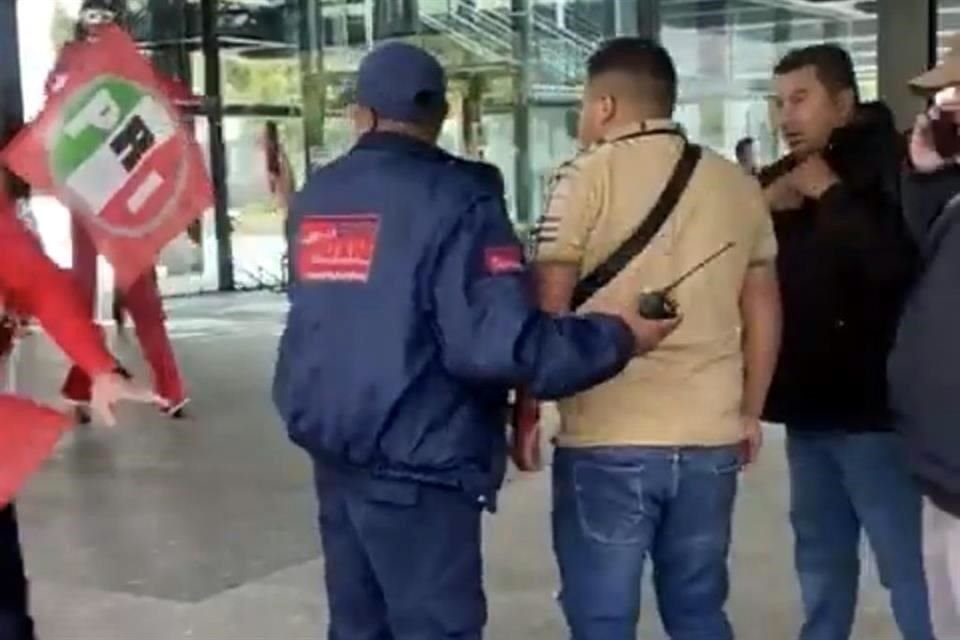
[30, 281]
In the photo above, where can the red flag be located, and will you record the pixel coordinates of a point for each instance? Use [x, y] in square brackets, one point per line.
[110, 145]
[28, 434]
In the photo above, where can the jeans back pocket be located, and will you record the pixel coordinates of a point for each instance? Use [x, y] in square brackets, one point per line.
[611, 502]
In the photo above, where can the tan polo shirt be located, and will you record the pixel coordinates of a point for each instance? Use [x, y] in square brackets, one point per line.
[689, 391]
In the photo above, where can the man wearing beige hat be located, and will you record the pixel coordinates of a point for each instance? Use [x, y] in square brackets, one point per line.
[924, 369]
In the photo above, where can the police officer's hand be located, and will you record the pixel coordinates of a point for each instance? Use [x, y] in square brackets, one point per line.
[648, 334]
[111, 388]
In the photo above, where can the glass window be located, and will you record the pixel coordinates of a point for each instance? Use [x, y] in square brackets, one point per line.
[515, 79]
[726, 51]
[948, 23]
[50, 25]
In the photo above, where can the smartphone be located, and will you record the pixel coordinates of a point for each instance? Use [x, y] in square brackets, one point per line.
[943, 128]
[272, 148]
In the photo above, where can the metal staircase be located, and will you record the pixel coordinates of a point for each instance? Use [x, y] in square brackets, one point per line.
[558, 53]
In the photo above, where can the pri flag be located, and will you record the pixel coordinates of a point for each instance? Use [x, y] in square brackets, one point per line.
[28, 434]
[109, 144]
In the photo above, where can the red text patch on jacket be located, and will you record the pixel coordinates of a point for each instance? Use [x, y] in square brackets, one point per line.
[336, 248]
[505, 259]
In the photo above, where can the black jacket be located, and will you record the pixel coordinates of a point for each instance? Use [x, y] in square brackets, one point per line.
[925, 363]
[845, 264]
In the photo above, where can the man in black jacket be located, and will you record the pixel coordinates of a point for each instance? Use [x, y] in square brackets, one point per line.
[924, 374]
[845, 264]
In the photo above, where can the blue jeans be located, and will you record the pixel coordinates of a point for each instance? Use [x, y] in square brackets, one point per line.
[402, 560]
[842, 483]
[614, 506]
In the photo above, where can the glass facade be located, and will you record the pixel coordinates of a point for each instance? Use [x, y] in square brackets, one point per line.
[948, 22]
[515, 67]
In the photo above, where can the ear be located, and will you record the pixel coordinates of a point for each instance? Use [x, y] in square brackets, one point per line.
[847, 101]
[362, 118]
[608, 108]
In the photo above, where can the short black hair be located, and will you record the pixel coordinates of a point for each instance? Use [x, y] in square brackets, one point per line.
[742, 145]
[831, 62]
[640, 58]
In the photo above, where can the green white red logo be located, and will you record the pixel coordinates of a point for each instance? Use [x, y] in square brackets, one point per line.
[117, 147]
[110, 145]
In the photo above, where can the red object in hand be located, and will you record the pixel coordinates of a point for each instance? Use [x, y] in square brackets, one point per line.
[28, 434]
[525, 445]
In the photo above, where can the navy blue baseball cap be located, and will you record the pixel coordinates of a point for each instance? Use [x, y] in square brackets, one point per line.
[401, 82]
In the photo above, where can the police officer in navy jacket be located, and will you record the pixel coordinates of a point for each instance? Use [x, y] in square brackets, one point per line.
[411, 318]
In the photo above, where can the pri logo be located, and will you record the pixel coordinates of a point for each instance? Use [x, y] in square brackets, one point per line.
[119, 155]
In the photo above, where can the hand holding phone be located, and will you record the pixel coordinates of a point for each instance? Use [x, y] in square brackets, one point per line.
[272, 144]
[935, 141]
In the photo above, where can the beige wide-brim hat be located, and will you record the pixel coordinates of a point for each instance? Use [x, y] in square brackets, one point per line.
[946, 74]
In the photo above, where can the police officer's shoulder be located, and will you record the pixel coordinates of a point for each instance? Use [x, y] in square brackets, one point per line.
[474, 191]
[478, 174]
[316, 183]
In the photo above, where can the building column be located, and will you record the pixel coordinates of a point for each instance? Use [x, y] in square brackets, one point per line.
[632, 18]
[312, 39]
[902, 22]
[713, 67]
[11, 98]
[626, 17]
[523, 171]
[646, 17]
[218, 153]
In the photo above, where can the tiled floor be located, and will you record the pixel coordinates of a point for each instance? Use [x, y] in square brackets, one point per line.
[205, 528]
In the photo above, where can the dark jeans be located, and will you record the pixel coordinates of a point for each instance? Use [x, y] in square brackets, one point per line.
[402, 561]
[15, 622]
[615, 506]
[842, 483]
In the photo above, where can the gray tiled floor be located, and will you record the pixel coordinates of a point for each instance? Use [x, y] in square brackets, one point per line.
[205, 528]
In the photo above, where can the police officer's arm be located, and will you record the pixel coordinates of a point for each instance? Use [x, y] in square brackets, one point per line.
[491, 330]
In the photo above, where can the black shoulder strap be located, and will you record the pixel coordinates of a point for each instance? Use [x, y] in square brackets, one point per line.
[639, 239]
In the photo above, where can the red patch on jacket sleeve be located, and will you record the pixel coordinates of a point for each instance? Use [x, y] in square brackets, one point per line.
[505, 259]
[336, 248]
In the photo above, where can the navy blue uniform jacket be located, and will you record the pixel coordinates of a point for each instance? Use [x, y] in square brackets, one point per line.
[411, 318]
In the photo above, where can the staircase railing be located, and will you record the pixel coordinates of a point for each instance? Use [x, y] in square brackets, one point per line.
[559, 52]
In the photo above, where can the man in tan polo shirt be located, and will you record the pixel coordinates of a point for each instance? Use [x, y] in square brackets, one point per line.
[647, 463]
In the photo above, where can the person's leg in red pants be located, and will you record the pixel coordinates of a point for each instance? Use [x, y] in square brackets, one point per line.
[142, 301]
[76, 388]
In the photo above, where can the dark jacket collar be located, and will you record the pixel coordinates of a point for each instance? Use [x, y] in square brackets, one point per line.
[399, 143]
[873, 124]
[868, 153]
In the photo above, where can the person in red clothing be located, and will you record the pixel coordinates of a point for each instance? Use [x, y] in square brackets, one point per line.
[30, 280]
[142, 300]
